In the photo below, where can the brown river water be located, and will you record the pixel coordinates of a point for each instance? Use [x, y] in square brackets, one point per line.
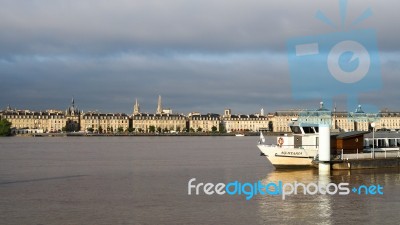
[144, 180]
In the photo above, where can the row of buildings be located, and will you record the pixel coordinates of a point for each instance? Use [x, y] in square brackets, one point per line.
[164, 120]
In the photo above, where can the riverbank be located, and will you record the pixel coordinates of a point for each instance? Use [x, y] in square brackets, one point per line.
[197, 134]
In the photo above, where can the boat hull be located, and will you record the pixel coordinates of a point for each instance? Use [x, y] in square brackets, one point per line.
[288, 157]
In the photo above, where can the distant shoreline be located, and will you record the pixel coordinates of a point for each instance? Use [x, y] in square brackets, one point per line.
[145, 134]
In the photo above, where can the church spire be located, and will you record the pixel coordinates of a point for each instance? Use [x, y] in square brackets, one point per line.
[136, 108]
[159, 105]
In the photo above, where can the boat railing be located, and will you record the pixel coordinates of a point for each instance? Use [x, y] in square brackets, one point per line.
[274, 145]
[391, 147]
[371, 155]
[305, 148]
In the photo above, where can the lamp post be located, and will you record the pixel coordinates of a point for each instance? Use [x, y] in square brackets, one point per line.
[373, 140]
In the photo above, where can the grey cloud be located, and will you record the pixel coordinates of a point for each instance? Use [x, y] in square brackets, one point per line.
[101, 27]
[200, 55]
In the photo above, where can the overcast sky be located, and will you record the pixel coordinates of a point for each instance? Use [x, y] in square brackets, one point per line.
[200, 55]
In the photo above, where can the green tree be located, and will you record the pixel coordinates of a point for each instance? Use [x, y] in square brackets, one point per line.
[214, 129]
[90, 129]
[130, 129]
[152, 129]
[100, 129]
[222, 128]
[120, 129]
[270, 126]
[199, 129]
[159, 129]
[5, 128]
[191, 129]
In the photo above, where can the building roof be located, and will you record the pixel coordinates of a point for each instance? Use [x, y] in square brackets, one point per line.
[209, 115]
[150, 115]
[350, 134]
[384, 134]
[104, 114]
[30, 113]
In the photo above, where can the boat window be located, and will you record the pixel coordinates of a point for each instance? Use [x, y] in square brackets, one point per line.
[295, 129]
[308, 130]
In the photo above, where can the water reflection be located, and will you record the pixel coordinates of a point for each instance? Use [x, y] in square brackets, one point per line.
[298, 208]
[331, 209]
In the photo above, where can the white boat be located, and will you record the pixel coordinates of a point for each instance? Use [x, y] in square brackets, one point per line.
[297, 150]
[239, 135]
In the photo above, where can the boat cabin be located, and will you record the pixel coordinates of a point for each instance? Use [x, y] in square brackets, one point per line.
[350, 142]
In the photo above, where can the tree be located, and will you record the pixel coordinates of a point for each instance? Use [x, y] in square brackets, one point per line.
[270, 126]
[222, 128]
[191, 129]
[100, 129]
[152, 129]
[214, 129]
[165, 130]
[178, 129]
[130, 129]
[5, 128]
[72, 126]
[90, 129]
[199, 129]
[120, 129]
[159, 129]
[140, 130]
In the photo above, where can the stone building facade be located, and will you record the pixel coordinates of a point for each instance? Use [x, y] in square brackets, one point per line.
[145, 122]
[104, 122]
[204, 123]
[43, 121]
[241, 123]
[164, 120]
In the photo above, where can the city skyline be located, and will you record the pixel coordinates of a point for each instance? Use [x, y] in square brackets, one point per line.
[199, 56]
[160, 108]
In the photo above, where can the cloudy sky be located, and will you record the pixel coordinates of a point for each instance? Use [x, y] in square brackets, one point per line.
[200, 55]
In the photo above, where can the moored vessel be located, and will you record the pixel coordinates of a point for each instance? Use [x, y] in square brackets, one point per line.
[291, 151]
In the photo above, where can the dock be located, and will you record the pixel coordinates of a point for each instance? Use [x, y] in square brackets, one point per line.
[389, 159]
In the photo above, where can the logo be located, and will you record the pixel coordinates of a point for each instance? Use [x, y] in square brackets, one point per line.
[343, 62]
[249, 190]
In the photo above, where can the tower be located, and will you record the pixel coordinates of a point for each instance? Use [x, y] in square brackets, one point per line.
[136, 108]
[227, 113]
[159, 106]
[72, 115]
[72, 109]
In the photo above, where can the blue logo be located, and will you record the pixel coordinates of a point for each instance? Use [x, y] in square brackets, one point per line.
[345, 62]
[249, 190]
